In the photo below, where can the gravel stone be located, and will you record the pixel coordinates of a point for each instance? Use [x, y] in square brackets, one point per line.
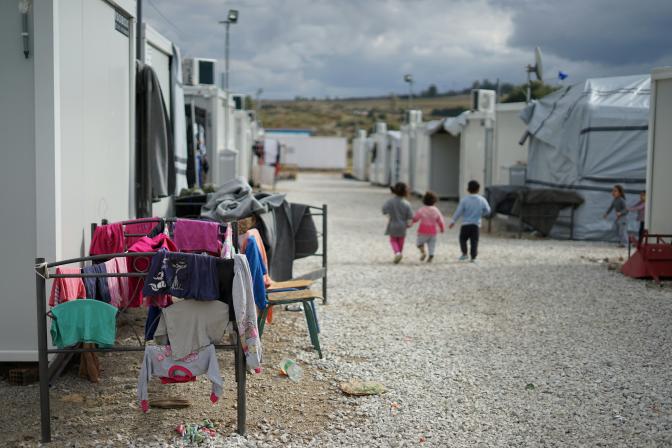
[455, 344]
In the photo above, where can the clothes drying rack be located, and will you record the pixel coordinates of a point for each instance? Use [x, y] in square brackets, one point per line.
[42, 273]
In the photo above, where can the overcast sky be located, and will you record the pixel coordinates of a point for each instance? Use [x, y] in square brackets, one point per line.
[342, 48]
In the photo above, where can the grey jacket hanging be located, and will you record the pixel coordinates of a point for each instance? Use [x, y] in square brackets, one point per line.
[155, 155]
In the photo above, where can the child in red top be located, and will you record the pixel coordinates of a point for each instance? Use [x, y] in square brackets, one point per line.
[430, 219]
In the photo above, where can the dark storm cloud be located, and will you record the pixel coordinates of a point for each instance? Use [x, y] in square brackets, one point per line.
[611, 32]
[363, 47]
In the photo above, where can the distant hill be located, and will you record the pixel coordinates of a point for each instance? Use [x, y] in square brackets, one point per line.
[342, 117]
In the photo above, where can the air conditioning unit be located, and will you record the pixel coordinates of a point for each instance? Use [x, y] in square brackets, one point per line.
[239, 101]
[483, 101]
[414, 116]
[381, 127]
[198, 71]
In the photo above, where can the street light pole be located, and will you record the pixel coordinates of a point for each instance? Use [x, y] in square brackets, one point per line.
[409, 79]
[232, 17]
[226, 89]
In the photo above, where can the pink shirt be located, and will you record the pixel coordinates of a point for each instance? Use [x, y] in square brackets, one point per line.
[430, 219]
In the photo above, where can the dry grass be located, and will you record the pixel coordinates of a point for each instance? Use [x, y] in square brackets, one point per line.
[343, 117]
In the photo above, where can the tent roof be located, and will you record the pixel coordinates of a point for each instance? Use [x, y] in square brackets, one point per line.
[451, 125]
[607, 100]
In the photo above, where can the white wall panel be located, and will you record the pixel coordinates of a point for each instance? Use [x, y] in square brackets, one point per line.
[17, 192]
[472, 153]
[509, 128]
[95, 120]
[313, 152]
[659, 180]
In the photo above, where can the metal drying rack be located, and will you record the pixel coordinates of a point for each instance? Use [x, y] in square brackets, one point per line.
[42, 274]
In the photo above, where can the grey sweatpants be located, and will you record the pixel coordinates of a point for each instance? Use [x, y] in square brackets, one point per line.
[429, 240]
[622, 230]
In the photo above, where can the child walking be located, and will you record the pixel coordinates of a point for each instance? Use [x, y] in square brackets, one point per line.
[430, 219]
[471, 208]
[399, 214]
[619, 207]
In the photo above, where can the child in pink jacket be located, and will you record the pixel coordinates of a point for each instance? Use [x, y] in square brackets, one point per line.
[430, 219]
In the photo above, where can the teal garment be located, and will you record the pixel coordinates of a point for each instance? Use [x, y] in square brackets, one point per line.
[84, 320]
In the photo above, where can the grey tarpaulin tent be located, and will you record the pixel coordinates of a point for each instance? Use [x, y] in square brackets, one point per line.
[588, 137]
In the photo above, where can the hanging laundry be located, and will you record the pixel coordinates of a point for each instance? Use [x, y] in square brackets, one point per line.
[141, 264]
[254, 233]
[258, 271]
[190, 325]
[246, 312]
[306, 240]
[153, 316]
[227, 247]
[191, 235]
[189, 276]
[225, 273]
[83, 321]
[155, 156]
[149, 229]
[117, 286]
[159, 362]
[96, 287]
[66, 289]
[179, 121]
[107, 239]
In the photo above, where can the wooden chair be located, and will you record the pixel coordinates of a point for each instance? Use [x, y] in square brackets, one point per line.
[306, 297]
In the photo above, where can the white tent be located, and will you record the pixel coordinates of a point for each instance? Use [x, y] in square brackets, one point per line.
[588, 137]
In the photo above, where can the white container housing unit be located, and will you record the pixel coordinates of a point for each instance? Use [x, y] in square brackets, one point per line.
[407, 148]
[451, 152]
[206, 113]
[163, 56]
[509, 153]
[659, 182]
[67, 126]
[244, 136]
[360, 156]
[394, 151]
[381, 156]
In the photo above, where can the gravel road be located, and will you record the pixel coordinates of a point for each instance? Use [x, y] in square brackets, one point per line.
[538, 344]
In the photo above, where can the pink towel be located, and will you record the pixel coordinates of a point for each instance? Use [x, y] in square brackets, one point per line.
[197, 236]
[107, 239]
[118, 286]
[66, 289]
[138, 228]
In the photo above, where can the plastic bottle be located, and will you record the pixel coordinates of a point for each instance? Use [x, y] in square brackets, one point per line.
[290, 368]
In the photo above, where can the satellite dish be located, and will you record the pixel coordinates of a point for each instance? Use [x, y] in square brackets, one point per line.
[538, 71]
[537, 68]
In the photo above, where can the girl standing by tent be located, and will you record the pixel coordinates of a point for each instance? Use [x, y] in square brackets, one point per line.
[400, 214]
[621, 210]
